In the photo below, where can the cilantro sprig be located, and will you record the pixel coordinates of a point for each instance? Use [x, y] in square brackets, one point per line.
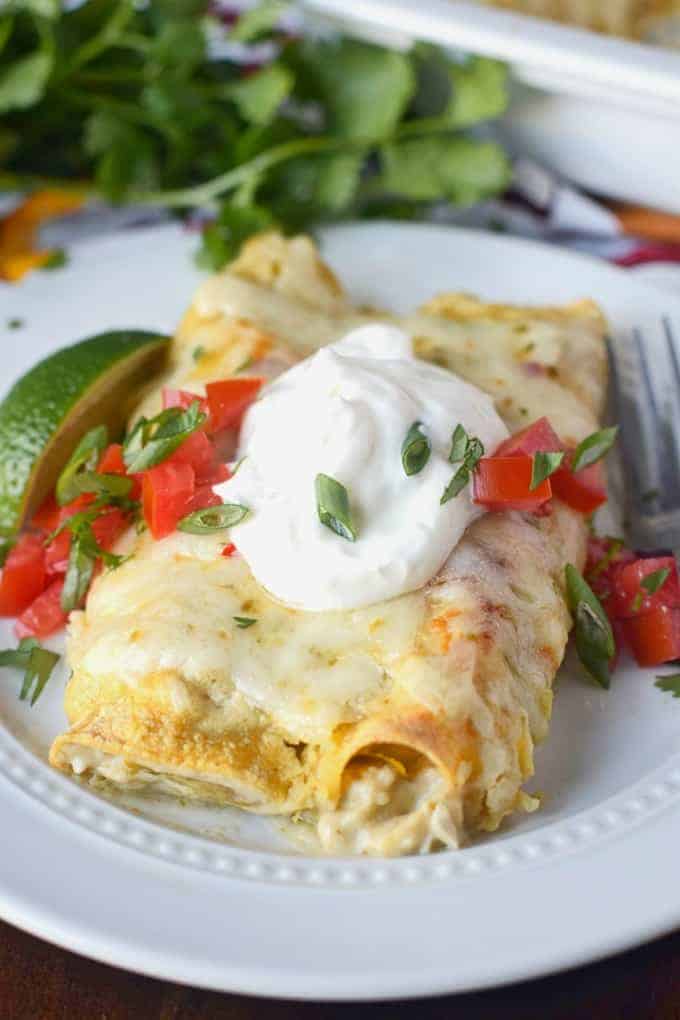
[133, 103]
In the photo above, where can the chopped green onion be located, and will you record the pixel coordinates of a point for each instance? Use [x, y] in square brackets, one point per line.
[153, 440]
[332, 504]
[652, 582]
[670, 684]
[470, 451]
[542, 466]
[459, 442]
[244, 621]
[593, 633]
[594, 448]
[415, 450]
[37, 663]
[456, 485]
[213, 518]
[84, 458]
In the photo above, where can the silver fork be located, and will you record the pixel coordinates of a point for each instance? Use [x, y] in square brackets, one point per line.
[645, 378]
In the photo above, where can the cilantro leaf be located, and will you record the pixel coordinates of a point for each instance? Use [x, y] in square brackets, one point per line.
[223, 238]
[431, 168]
[461, 93]
[24, 81]
[365, 89]
[259, 96]
[152, 441]
[36, 662]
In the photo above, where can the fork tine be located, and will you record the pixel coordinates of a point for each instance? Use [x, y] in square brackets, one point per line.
[670, 340]
[671, 421]
[627, 413]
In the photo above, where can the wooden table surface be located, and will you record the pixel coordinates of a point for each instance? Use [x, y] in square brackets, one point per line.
[40, 982]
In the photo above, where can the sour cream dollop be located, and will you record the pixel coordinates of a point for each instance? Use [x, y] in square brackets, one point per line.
[345, 412]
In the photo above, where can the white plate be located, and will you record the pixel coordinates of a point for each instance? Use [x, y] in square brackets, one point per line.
[217, 899]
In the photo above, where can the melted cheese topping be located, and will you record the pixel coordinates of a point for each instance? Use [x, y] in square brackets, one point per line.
[171, 610]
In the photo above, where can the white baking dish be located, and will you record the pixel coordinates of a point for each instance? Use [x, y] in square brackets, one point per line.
[603, 111]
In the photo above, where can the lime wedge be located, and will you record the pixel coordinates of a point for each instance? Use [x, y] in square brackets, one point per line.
[47, 411]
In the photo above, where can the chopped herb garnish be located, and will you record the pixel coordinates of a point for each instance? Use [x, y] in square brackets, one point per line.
[78, 574]
[332, 505]
[213, 518]
[84, 458]
[456, 485]
[593, 633]
[415, 450]
[594, 448]
[153, 440]
[244, 621]
[57, 259]
[84, 552]
[467, 449]
[459, 442]
[15, 323]
[198, 352]
[36, 662]
[652, 582]
[669, 684]
[109, 486]
[543, 465]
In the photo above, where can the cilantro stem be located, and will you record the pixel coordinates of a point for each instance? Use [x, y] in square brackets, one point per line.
[203, 194]
[110, 34]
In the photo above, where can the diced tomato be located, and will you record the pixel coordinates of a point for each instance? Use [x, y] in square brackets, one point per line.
[583, 490]
[654, 637]
[629, 597]
[605, 557]
[23, 576]
[539, 437]
[109, 526]
[56, 554]
[47, 517]
[183, 399]
[166, 491]
[228, 399]
[502, 483]
[229, 549]
[111, 461]
[44, 616]
[203, 497]
[199, 453]
[220, 474]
